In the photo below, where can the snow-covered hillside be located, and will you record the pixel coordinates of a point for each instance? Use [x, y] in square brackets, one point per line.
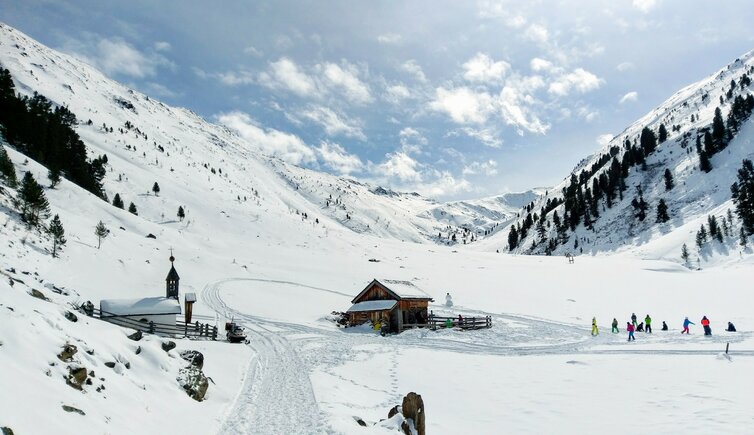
[695, 194]
[144, 138]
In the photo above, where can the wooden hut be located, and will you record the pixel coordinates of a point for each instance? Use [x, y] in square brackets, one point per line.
[401, 304]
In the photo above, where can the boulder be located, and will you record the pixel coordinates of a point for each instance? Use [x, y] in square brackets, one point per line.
[6, 430]
[70, 316]
[194, 357]
[360, 421]
[193, 382]
[67, 408]
[151, 236]
[167, 346]
[76, 377]
[393, 411]
[110, 364]
[39, 295]
[66, 355]
[136, 336]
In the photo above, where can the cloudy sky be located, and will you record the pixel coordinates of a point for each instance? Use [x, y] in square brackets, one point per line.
[452, 99]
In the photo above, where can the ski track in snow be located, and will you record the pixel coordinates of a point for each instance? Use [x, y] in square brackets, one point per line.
[277, 395]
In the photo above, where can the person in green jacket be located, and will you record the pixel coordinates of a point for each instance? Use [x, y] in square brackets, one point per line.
[648, 324]
[448, 323]
[615, 325]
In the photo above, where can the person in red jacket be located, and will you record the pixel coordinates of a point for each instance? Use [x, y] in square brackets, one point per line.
[705, 324]
[630, 328]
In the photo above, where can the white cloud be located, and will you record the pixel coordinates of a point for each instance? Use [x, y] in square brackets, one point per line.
[481, 68]
[629, 97]
[159, 90]
[518, 107]
[390, 38]
[235, 78]
[487, 136]
[396, 93]
[412, 67]
[347, 81]
[285, 74]
[645, 5]
[399, 165]
[537, 33]
[272, 142]
[411, 140]
[338, 159]
[580, 80]
[625, 66]
[488, 168]
[253, 51]
[333, 123]
[162, 46]
[463, 105]
[116, 56]
[604, 139]
[540, 65]
[443, 184]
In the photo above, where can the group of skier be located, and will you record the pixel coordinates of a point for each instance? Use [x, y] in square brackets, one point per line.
[646, 326]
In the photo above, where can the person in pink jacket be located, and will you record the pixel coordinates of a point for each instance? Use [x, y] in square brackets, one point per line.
[630, 328]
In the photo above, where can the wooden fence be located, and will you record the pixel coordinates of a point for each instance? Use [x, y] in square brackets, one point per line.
[194, 330]
[435, 322]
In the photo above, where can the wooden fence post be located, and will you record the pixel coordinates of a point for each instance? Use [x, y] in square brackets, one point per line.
[151, 327]
[214, 332]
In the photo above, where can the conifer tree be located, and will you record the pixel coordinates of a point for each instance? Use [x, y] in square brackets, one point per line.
[34, 205]
[718, 129]
[714, 228]
[101, 232]
[742, 240]
[7, 170]
[742, 192]
[704, 162]
[701, 237]
[662, 212]
[181, 213]
[685, 254]
[132, 209]
[663, 134]
[669, 183]
[57, 233]
[117, 201]
[53, 174]
[512, 238]
[156, 189]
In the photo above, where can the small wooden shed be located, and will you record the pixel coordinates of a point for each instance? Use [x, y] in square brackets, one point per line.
[401, 304]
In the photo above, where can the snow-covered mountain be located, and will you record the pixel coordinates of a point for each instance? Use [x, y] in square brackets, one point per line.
[145, 138]
[695, 194]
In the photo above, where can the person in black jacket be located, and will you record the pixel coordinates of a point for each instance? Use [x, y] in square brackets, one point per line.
[664, 326]
[731, 328]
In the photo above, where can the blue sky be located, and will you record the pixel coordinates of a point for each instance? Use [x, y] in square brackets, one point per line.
[452, 99]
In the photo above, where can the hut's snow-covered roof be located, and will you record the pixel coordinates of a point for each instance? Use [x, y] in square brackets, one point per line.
[372, 306]
[397, 288]
[138, 307]
[404, 289]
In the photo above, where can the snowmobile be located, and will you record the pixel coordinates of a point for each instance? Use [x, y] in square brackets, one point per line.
[235, 333]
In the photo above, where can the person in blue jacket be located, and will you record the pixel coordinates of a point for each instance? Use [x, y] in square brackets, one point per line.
[686, 323]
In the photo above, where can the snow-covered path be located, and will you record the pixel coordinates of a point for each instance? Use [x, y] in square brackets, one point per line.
[276, 396]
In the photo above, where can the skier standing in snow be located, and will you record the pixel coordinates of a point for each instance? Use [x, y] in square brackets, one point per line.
[686, 323]
[448, 300]
[648, 323]
[615, 326]
[630, 328]
[705, 324]
[595, 331]
[633, 319]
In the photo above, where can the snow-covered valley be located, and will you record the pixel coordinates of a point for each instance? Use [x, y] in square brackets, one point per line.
[278, 248]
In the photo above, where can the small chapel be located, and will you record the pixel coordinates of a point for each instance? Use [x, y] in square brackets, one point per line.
[159, 310]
